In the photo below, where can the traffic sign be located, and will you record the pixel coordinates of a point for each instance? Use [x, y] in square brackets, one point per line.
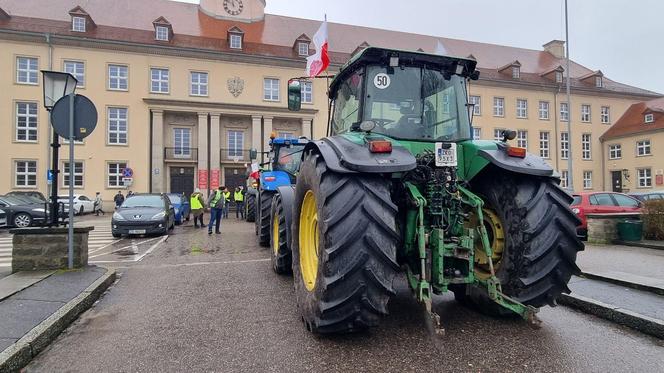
[127, 173]
[85, 117]
[49, 177]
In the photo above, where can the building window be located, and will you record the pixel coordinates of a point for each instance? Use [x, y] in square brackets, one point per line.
[78, 24]
[271, 89]
[644, 177]
[564, 145]
[605, 115]
[117, 126]
[521, 108]
[559, 77]
[236, 41]
[286, 135]
[78, 174]
[77, 69]
[544, 110]
[115, 174]
[476, 101]
[564, 112]
[544, 145]
[498, 107]
[615, 151]
[199, 84]
[159, 81]
[587, 179]
[235, 144]
[307, 92]
[643, 148]
[516, 72]
[649, 118]
[477, 133]
[564, 179]
[182, 142]
[586, 152]
[26, 121]
[522, 139]
[303, 49]
[27, 69]
[585, 113]
[26, 173]
[498, 134]
[118, 77]
[598, 82]
[161, 33]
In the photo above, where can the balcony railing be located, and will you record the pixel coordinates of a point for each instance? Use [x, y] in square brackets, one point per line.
[234, 155]
[181, 154]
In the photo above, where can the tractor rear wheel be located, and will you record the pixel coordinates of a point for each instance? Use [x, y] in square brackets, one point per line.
[281, 253]
[343, 247]
[533, 235]
[251, 208]
[263, 218]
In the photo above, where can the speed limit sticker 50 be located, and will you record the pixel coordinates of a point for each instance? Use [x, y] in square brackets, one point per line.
[382, 81]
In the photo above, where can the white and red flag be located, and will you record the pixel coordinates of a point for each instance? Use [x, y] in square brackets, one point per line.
[319, 62]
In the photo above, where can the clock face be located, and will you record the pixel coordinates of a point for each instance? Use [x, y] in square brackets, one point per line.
[233, 7]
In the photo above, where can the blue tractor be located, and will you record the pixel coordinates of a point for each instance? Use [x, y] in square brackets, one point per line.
[284, 162]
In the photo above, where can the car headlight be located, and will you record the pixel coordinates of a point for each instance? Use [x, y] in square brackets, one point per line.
[576, 211]
[117, 216]
[159, 216]
[38, 210]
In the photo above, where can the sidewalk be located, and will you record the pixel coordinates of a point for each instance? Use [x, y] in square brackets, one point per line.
[633, 264]
[36, 307]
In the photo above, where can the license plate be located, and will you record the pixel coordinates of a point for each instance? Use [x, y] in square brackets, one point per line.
[137, 231]
[446, 154]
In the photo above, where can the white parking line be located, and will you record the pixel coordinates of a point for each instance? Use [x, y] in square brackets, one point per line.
[152, 248]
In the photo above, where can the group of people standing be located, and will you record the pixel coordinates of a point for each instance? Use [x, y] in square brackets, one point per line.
[218, 202]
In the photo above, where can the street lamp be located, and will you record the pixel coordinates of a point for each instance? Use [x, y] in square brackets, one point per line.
[56, 86]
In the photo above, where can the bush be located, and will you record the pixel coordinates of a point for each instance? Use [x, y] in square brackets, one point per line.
[653, 220]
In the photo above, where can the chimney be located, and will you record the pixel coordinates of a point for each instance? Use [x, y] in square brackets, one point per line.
[556, 48]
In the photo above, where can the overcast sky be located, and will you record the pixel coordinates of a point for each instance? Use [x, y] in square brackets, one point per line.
[623, 38]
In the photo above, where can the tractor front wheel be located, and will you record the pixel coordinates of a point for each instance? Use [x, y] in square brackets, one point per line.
[532, 231]
[263, 218]
[343, 247]
[251, 207]
[281, 253]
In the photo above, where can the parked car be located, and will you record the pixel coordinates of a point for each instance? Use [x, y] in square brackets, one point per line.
[31, 195]
[601, 202]
[21, 214]
[649, 195]
[3, 218]
[143, 214]
[82, 204]
[181, 205]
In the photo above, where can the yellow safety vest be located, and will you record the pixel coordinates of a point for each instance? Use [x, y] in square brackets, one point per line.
[195, 202]
[239, 197]
[227, 196]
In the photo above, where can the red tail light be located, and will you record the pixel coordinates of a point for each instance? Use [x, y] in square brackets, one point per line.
[380, 146]
[516, 152]
[270, 178]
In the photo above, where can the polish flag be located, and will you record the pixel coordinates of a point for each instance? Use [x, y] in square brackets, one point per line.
[319, 62]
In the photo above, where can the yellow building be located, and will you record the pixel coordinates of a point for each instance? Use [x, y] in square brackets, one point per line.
[183, 91]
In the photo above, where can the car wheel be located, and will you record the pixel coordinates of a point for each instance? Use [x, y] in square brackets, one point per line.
[81, 210]
[22, 220]
[117, 235]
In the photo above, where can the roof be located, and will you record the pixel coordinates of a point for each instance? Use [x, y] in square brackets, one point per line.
[131, 20]
[633, 121]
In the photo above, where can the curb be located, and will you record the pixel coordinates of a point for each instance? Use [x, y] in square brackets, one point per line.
[642, 323]
[638, 244]
[36, 340]
[629, 284]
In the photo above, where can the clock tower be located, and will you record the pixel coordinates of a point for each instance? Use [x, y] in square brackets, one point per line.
[236, 10]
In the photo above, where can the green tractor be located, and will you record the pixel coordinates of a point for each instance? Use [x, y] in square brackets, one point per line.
[399, 185]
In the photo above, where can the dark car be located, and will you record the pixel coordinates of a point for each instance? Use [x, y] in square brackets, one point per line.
[143, 214]
[29, 195]
[653, 195]
[181, 205]
[22, 214]
[3, 218]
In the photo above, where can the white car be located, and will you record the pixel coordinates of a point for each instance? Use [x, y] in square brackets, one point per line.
[3, 218]
[82, 204]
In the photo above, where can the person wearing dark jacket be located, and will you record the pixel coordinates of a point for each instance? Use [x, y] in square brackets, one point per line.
[216, 202]
[118, 199]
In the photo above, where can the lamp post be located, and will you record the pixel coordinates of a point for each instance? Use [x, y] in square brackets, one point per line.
[56, 86]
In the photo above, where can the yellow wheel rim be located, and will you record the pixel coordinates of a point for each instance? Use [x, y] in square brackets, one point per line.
[275, 234]
[496, 233]
[309, 240]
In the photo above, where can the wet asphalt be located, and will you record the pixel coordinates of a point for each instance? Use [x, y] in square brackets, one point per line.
[212, 303]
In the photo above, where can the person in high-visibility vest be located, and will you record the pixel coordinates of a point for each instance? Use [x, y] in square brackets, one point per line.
[239, 202]
[217, 203]
[227, 201]
[197, 204]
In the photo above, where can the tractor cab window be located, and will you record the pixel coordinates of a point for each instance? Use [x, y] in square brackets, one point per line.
[416, 103]
[347, 103]
[288, 159]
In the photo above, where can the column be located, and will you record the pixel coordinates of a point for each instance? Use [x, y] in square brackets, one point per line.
[203, 171]
[306, 128]
[256, 133]
[267, 130]
[215, 162]
[158, 173]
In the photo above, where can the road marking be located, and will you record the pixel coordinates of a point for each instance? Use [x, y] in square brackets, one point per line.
[152, 248]
[201, 263]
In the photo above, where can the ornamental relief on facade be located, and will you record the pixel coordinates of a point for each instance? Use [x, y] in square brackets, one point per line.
[235, 86]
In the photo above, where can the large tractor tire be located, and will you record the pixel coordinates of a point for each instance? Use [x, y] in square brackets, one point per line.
[263, 218]
[533, 236]
[281, 252]
[343, 247]
[251, 208]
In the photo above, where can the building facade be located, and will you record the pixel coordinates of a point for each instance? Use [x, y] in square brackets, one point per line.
[184, 91]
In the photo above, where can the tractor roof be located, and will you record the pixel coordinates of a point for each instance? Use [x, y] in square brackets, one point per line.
[373, 55]
[290, 141]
